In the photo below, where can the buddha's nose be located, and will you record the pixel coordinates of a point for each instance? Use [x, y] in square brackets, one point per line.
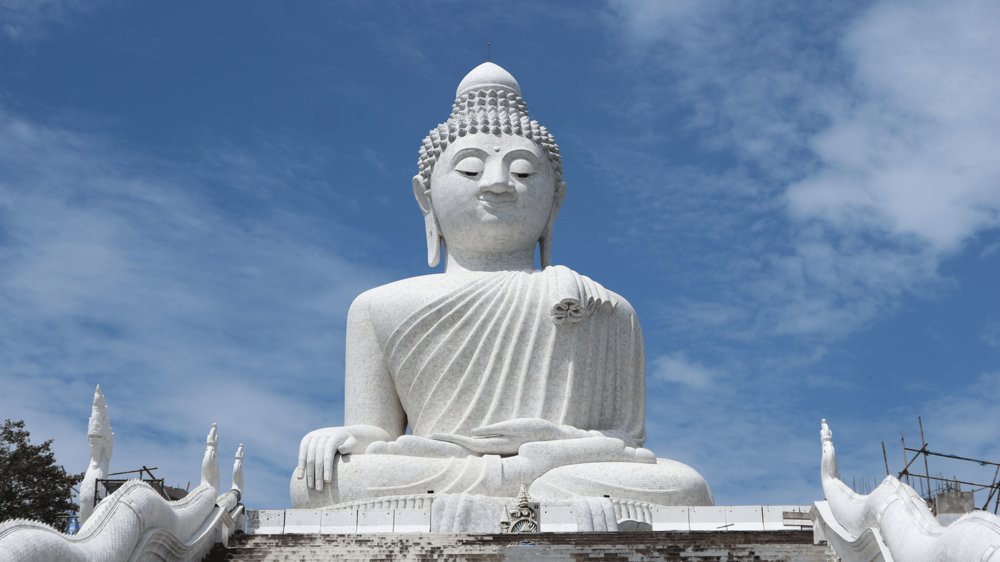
[495, 180]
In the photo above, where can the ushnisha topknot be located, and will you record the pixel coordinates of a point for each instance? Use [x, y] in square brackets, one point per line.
[488, 101]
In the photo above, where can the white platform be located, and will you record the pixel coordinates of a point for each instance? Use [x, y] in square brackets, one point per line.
[554, 519]
[302, 521]
[672, 518]
[557, 520]
[375, 520]
[266, 522]
[341, 522]
[411, 521]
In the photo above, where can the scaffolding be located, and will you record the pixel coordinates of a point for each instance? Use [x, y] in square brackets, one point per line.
[941, 484]
[111, 485]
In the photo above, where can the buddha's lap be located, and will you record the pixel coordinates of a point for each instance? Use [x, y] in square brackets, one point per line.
[362, 477]
[665, 483]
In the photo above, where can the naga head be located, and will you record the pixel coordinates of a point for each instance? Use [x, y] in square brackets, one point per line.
[99, 434]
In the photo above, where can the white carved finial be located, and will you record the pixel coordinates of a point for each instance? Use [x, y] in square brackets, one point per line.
[829, 463]
[100, 423]
[101, 440]
[210, 466]
[238, 471]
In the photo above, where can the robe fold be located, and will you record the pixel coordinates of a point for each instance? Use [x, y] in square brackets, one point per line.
[548, 344]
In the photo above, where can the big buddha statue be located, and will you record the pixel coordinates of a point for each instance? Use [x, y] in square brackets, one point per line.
[504, 374]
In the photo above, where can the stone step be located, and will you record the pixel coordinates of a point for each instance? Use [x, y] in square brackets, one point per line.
[693, 546]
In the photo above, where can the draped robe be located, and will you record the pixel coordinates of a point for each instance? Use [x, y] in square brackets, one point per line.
[548, 344]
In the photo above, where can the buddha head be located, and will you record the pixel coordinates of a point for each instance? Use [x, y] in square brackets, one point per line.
[490, 178]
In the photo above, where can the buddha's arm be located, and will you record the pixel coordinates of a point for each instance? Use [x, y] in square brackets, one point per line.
[369, 392]
[372, 411]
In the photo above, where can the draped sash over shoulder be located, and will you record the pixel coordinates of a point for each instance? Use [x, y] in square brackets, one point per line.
[549, 344]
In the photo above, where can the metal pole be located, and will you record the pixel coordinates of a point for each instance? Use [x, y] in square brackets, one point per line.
[993, 489]
[905, 463]
[927, 471]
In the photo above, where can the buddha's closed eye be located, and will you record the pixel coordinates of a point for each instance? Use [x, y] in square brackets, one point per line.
[522, 169]
[470, 167]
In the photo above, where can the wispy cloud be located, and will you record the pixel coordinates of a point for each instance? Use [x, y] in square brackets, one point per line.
[801, 169]
[991, 334]
[914, 155]
[856, 149]
[678, 368]
[140, 275]
[26, 21]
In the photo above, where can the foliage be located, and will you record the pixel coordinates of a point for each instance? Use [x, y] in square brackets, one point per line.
[32, 485]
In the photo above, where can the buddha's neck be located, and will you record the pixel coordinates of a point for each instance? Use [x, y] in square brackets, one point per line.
[465, 261]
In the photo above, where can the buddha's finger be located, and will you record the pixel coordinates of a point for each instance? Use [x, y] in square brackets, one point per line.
[311, 464]
[322, 465]
[330, 450]
[348, 446]
[303, 451]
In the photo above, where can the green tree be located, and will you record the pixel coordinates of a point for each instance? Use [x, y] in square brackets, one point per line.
[32, 485]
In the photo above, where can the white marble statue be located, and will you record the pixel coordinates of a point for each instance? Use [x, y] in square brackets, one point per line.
[894, 523]
[102, 442]
[502, 373]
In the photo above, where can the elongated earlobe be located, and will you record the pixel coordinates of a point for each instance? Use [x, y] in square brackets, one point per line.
[431, 228]
[433, 240]
[545, 242]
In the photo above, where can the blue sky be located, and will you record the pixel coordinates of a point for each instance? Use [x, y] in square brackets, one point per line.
[801, 201]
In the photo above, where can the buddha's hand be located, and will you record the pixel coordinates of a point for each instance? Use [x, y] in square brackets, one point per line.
[318, 450]
[506, 437]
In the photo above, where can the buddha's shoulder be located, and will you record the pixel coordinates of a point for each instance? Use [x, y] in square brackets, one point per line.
[622, 306]
[403, 296]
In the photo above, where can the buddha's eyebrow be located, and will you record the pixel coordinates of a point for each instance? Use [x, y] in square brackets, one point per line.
[522, 153]
[470, 151]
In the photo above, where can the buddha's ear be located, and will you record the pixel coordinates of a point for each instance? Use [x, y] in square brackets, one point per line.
[545, 242]
[423, 195]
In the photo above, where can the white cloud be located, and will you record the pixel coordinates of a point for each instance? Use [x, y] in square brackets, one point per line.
[28, 20]
[991, 334]
[802, 169]
[677, 368]
[856, 145]
[121, 270]
[915, 154]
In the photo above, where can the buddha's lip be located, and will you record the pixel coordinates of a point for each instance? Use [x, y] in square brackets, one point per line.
[498, 200]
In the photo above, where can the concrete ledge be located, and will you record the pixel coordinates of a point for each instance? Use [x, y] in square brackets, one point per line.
[302, 521]
[671, 518]
[551, 519]
[411, 521]
[266, 522]
[375, 521]
[557, 520]
[340, 522]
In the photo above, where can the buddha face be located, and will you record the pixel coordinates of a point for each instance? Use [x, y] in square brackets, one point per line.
[492, 194]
